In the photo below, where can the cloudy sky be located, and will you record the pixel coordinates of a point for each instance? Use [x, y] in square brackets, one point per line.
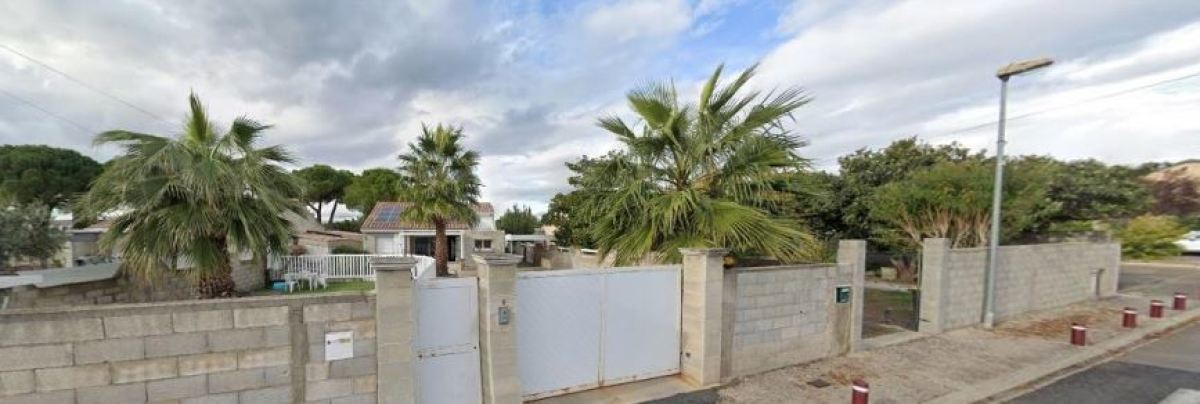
[348, 83]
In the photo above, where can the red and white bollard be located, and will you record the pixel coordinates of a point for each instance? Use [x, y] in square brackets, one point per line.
[1156, 309]
[859, 392]
[1078, 335]
[1129, 319]
[1180, 302]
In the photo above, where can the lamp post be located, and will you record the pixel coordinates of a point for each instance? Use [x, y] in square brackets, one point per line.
[1012, 69]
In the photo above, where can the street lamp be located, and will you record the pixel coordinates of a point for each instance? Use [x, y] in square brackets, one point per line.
[1012, 69]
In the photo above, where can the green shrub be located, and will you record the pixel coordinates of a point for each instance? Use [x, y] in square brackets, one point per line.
[1151, 237]
[348, 249]
[345, 225]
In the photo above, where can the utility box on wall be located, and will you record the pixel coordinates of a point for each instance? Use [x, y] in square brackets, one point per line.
[842, 294]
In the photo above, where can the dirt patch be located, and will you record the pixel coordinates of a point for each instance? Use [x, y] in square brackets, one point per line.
[1059, 326]
[888, 311]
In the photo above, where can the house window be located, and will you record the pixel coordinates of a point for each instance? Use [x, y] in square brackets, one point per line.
[483, 245]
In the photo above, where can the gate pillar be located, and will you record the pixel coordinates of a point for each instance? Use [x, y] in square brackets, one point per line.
[395, 316]
[701, 325]
[498, 327]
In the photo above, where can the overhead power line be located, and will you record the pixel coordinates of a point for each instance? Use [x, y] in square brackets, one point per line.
[1072, 105]
[34, 105]
[95, 89]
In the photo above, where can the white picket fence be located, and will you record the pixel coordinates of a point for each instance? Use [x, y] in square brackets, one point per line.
[342, 266]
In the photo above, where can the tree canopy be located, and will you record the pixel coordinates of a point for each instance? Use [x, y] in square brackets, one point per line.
[438, 180]
[518, 220]
[199, 197]
[699, 174]
[323, 185]
[372, 186]
[26, 233]
[45, 175]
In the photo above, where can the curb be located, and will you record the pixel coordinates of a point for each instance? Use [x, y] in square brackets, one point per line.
[988, 390]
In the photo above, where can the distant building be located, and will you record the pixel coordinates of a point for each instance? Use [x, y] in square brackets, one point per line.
[385, 232]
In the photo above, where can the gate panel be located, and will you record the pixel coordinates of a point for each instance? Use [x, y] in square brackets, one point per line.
[641, 324]
[447, 341]
[558, 332]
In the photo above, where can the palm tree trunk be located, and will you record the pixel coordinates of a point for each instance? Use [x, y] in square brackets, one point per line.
[219, 282]
[441, 249]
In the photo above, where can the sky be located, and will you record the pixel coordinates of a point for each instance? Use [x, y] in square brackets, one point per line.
[349, 83]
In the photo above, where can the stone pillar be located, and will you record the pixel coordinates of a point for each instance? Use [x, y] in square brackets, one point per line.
[703, 296]
[847, 323]
[935, 285]
[498, 342]
[395, 322]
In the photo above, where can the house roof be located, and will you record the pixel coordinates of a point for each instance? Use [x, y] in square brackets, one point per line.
[386, 216]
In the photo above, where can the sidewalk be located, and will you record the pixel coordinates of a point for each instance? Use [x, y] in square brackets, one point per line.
[963, 365]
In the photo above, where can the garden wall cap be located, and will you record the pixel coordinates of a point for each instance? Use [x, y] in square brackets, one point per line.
[710, 252]
[393, 263]
[496, 258]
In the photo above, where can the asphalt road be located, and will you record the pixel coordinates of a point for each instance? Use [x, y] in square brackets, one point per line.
[1146, 375]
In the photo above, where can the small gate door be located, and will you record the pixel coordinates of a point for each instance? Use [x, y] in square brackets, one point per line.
[447, 341]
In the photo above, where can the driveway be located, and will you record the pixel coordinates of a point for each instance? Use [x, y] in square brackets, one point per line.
[1159, 280]
[1146, 375]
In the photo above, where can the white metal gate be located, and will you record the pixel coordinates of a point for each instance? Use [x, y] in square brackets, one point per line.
[583, 328]
[447, 341]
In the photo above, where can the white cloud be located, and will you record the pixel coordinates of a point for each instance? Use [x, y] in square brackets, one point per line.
[638, 20]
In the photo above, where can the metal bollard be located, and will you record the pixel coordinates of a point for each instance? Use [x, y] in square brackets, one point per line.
[1156, 309]
[1129, 320]
[1180, 301]
[1078, 335]
[860, 391]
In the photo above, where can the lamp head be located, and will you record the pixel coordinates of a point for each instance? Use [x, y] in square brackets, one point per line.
[1024, 66]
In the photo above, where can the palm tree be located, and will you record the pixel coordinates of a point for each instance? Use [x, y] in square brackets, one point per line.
[199, 197]
[437, 179]
[696, 175]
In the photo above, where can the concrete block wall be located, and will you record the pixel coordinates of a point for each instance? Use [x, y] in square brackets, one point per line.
[122, 289]
[252, 350]
[781, 317]
[1028, 278]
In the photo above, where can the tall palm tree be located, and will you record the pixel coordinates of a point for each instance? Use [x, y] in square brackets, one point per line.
[437, 179]
[200, 197]
[696, 175]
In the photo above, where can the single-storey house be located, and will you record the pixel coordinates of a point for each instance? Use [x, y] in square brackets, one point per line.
[385, 232]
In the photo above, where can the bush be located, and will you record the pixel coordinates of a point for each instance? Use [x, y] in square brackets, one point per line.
[345, 225]
[348, 249]
[1151, 237]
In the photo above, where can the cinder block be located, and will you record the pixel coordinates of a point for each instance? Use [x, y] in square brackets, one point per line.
[352, 367]
[178, 388]
[71, 377]
[362, 311]
[355, 399]
[176, 344]
[278, 375]
[109, 350]
[207, 363]
[37, 356]
[365, 384]
[361, 328]
[270, 395]
[328, 389]
[316, 371]
[137, 326]
[150, 369]
[46, 332]
[264, 358]
[236, 381]
[260, 317]
[203, 320]
[316, 313]
[227, 398]
[121, 393]
[13, 383]
[56, 397]
[364, 347]
[278, 336]
[232, 340]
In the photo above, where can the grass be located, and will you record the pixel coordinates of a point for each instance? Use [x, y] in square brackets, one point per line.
[338, 286]
[887, 307]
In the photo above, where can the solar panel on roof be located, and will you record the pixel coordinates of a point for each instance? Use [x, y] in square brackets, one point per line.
[389, 214]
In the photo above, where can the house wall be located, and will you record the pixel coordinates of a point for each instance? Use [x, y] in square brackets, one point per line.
[252, 350]
[1028, 278]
